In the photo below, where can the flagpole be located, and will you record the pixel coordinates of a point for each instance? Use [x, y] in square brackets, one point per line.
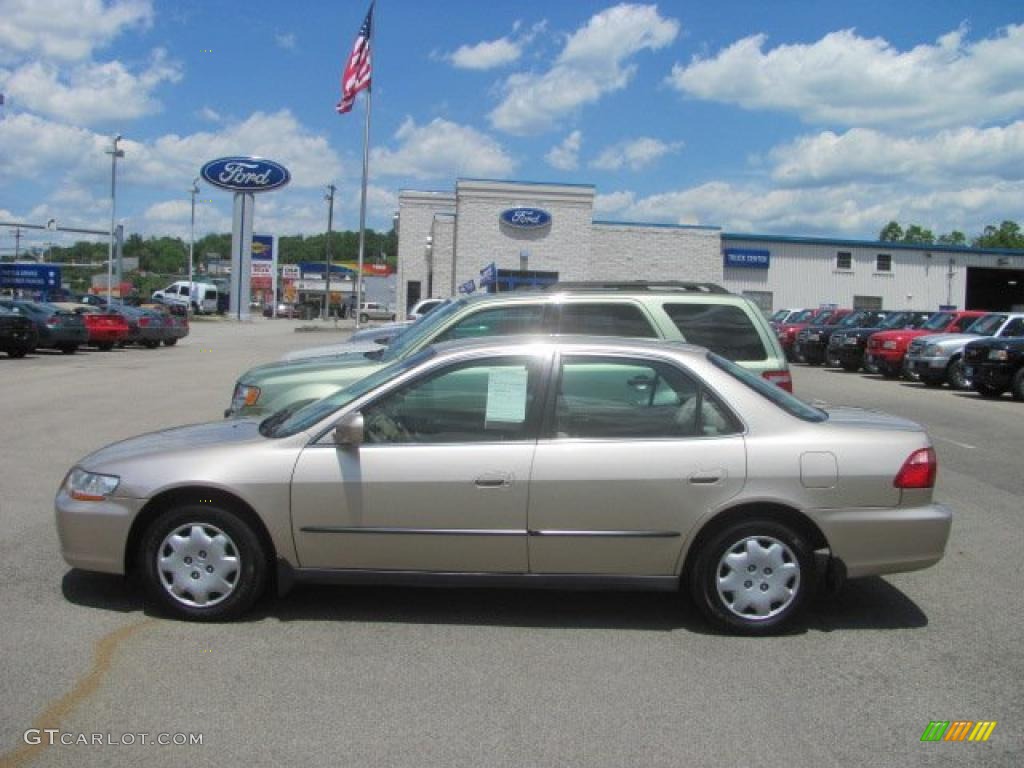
[366, 171]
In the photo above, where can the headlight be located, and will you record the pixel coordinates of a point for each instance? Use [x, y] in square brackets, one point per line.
[245, 396]
[932, 350]
[889, 344]
[89, 486]
[998, 354]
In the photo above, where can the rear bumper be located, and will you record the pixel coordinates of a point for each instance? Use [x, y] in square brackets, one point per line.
[107, 335]
[886, 540]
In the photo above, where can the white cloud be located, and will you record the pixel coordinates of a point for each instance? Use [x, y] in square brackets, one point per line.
[613, 203]
[91, 92]
[566, 156]
[846, 79]
[866, 154]
[486, 55]
[635, 154]
[594, 62]
[441, 149]
[66, 30]
[209, 114]
[286, 40]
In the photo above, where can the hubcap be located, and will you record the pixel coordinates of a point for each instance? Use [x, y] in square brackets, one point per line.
[198, 564]
[758, 577]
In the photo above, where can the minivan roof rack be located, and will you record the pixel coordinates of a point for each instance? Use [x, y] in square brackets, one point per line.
[657, 286]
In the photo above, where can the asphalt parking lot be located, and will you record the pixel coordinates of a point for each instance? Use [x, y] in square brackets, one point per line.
[407, 677]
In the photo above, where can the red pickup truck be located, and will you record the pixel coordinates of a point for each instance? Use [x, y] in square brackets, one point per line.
[886, 349]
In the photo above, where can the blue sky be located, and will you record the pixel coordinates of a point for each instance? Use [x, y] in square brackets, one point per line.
[783, 117]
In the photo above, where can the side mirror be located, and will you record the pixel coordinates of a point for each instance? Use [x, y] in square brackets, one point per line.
[349, 431]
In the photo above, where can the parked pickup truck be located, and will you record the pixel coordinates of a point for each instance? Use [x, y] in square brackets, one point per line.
[996, 365]
[938, 359]
[886, 349]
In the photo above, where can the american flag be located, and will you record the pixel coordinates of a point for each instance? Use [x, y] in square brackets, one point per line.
[356, 76]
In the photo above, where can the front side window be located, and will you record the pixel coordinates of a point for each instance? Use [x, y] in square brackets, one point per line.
[986, 325]
[722, 328]
[513, 320]
[1014, 328]
[618, 398]
[605, 320]
[479, 401]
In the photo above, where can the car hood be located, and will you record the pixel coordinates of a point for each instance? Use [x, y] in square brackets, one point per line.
[305, 366]
[947, 338]
[331, 350]
[188, 439]
[848, 416]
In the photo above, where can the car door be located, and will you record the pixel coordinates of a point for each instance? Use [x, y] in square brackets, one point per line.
[441, 481]
[633, 452]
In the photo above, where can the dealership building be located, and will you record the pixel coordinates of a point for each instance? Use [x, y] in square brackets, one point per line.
[502, 235]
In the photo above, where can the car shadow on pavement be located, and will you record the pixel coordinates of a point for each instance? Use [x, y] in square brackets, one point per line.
[870, 603]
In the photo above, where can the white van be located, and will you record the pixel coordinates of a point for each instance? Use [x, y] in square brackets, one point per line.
[203, 299]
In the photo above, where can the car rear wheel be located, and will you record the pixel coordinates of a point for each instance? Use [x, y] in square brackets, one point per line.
[170, 342]
[1017, 386]
[68, 349]
[753, 576]
[850, 367]
[987, 390]
[955, 375]
[203, 563]
[17, 352]
[149, 344]
[105, 346]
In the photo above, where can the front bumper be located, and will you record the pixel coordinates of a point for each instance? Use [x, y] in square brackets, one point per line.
[93, 534]
[998, 376]
[926, 365]
[886, 540]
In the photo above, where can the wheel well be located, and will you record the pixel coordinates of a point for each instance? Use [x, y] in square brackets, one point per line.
[177, 496]
[770, 511]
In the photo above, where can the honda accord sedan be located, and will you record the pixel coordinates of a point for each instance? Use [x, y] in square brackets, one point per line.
[564, 462]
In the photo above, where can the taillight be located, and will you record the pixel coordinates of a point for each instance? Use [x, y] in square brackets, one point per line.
[781, 379]
[918, 471]
[143, 322]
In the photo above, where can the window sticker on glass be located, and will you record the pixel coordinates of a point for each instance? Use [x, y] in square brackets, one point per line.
[506, 395]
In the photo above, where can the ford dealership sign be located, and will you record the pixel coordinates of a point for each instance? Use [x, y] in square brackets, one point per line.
[245, 174]
[525, 218]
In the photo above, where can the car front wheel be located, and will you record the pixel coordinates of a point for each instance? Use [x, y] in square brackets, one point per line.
[987, 390]
[753, 577]
[203, 563]
[955, 375]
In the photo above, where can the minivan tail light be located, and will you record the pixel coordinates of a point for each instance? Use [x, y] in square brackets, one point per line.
[918, 471]
[781, 379]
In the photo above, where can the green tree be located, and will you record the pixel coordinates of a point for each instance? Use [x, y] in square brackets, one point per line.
[891, 233]
[956, 237]
[917, 234]
[1006, 235]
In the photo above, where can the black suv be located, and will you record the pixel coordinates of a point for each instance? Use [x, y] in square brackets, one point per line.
[812, 341]
[995, 364]
[846, 346]
[17, 333]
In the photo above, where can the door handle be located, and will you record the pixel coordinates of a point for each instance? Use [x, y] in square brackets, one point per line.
[493, 480]
[707, 477]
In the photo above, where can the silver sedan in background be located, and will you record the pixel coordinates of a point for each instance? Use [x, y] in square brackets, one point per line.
[569, 462]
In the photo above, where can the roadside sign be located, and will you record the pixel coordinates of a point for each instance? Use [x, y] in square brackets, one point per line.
[33, 277]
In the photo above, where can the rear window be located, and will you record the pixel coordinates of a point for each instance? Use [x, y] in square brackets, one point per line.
[791, 404]
[605, 320]
[723, 328]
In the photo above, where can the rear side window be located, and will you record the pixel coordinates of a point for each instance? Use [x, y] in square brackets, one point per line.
[723, 328]
[605, 320]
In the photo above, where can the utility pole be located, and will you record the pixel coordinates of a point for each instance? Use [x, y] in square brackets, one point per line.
[17, 242]
[329, 197]
[191, 246]
[114, 153]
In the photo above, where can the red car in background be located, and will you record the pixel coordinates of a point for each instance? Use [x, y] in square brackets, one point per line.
[787, 331]
[105, 328]
[886, 349]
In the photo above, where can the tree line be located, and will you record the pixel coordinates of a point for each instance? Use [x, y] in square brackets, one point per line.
[1006, 235]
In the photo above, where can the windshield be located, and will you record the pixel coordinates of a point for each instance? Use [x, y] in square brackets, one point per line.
[409, 339]
[802, 316]
[899, 320]
[309, 415]
[987, 325]
[854, 320]
[938, 321]
[791, 404]
[779, 315]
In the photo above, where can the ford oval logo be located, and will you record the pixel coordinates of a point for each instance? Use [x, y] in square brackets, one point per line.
[526, 218]
[246, 174]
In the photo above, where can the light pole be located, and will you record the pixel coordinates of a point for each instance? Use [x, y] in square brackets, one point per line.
[114, 153]
[329, 197]
[192, 242]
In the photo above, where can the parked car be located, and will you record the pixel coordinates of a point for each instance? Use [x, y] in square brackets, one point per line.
[995, 365]
[145, 326]
[18, 333]
[847, 346]
[100, 300]
[938, 359]
[175, 321]
[422, 307]
[284, 309]
[886, 349]
[787, 331]
[55, 328]
[812, 342]
[105, 328]
[568, 462]
[726, 323]
[202, 298]
[373, 311]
